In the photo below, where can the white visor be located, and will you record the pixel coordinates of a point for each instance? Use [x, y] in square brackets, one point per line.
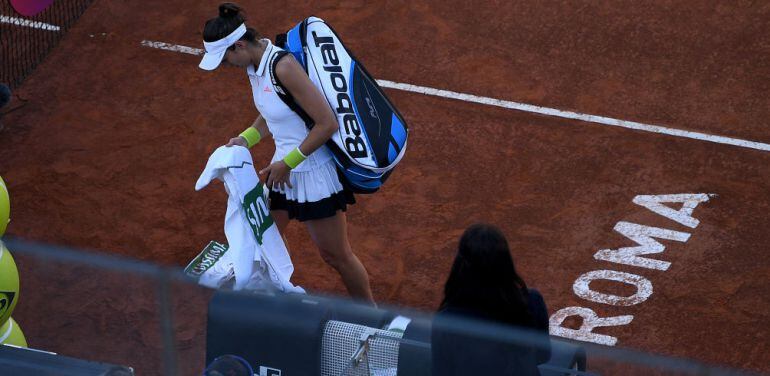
[215, 51]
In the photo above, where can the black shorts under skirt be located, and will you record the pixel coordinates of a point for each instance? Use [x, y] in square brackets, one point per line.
[308, 211]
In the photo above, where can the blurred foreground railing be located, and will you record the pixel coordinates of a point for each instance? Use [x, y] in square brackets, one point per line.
[105, 308]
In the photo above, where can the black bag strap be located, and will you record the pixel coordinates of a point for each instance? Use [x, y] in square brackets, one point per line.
[280, 40]
[283, 93]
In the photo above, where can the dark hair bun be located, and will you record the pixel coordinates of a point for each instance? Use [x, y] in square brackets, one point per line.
[229, 10]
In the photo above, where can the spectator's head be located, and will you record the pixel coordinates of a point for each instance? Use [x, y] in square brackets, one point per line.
[229, 365]
[5, 95]
[483, 278]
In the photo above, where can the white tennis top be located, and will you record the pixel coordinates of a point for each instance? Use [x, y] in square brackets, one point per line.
[287, 127]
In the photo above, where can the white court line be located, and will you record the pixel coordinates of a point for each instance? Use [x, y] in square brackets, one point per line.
[576, 115]
[28, 23]
[529, 108]
[172, 47]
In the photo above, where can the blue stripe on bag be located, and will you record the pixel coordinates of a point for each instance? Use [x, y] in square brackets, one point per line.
[392, 153]
[398, 131]
[363, 173]
[368, 184]
[294, 45]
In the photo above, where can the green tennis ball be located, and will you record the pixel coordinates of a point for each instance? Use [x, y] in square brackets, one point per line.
[5, 207]
[9, 284]
[11, 334]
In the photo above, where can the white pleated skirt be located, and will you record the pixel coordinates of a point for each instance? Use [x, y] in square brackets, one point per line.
[315, 194]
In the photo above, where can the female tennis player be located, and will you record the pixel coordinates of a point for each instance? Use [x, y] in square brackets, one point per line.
[302, 174]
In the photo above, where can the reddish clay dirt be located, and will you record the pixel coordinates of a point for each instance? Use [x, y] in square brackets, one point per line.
[106, 152]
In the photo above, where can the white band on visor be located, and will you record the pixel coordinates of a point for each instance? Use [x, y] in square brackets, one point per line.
[215, 51]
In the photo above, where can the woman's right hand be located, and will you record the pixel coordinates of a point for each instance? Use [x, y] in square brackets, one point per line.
[238, 141]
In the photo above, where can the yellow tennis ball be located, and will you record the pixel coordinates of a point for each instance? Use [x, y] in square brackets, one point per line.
[11, 334]
[9, 284]
[5, 207]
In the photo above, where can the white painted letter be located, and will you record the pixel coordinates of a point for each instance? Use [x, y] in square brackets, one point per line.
[642, 235]
[590, 321]
[643, 288]
[683, 215]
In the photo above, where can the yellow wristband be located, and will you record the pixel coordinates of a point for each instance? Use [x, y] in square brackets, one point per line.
[251, 135]
[294, 158]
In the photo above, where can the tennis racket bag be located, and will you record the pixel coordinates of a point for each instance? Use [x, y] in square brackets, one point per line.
[372, 134]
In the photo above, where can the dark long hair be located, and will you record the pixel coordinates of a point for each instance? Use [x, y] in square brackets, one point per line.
[230, 17]
[5, 95]
[484, 280]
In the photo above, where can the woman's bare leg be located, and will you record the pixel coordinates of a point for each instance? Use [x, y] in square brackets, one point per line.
[331, 237]
[281, 218]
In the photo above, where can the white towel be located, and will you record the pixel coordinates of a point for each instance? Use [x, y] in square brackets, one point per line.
[257, 255]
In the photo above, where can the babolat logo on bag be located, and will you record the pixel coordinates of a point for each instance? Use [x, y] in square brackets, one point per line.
[372, 134]
[332, 74]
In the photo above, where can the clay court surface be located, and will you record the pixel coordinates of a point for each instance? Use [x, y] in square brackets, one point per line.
[106, 151]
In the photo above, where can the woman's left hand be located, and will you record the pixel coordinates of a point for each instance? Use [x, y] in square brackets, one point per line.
[277, 173]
